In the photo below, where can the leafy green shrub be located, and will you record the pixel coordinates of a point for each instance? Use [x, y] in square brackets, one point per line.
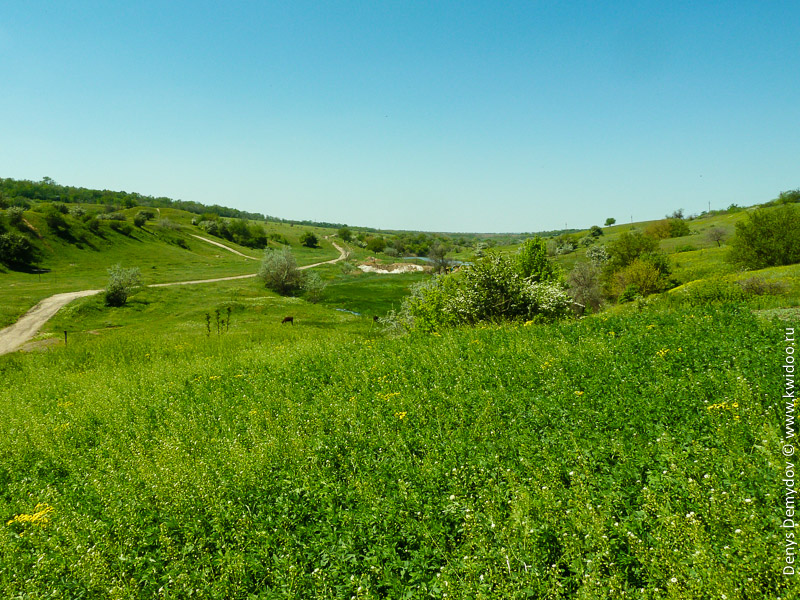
[121, 284]
[16, 250]
[685, 248]
[767, 237]
[309, 240]
[630, 293]
[758, 286]
[278, 238]
[143, 216]
[628, 247]
[55, 220]
[788, 197]
[711, 291]
[121, 227]
[376, 244]
[167, 225]
[15, 215]
[642, 274]
[216, 227]
[532, 261]
[678, 228]
[660, 230]
[313, 287]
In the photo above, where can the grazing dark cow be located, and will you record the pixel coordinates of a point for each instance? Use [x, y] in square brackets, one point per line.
[288, 320]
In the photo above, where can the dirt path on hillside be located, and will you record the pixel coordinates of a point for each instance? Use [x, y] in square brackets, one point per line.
[14, 336]
[223, 246]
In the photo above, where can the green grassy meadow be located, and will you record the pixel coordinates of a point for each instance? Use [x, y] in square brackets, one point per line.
[634, 455]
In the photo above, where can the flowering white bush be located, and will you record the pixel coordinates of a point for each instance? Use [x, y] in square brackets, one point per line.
[494, 288]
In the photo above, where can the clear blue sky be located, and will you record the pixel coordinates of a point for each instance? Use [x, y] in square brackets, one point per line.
[440, 116]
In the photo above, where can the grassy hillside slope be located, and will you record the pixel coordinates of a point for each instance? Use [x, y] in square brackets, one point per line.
[79, 258]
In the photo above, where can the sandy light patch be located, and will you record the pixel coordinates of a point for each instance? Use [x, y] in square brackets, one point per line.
[392, 268]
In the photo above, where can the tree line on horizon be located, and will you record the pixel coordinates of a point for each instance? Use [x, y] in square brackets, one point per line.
[21, 192]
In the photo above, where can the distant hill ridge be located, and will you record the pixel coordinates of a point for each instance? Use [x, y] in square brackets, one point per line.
[19, 192]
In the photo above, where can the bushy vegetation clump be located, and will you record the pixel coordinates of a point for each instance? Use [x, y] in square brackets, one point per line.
[122, 283]
[767, 237]
[309, 240]
[17, 251]
[280, 273]
[497, 287]
[239, 231]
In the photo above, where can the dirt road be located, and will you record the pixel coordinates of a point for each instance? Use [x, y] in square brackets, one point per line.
[14, 336]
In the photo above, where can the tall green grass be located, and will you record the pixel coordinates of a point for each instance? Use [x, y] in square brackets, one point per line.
[620, 456]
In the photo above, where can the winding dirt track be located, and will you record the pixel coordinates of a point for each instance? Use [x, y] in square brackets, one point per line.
[14, 336]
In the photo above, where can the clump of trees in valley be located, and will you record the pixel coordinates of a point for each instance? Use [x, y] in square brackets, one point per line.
[238, 231]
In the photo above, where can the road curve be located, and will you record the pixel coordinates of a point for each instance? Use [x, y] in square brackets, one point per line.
[14, 336]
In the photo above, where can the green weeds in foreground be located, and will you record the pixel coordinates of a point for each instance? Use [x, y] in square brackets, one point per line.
[615, 457]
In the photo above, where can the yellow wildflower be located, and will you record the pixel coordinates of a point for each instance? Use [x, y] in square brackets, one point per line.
[40, 518]
[400, 415]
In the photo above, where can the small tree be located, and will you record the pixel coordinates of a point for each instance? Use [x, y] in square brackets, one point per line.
[279, 271]
[376, 244]
[532, 260]
[313, 286]
[716, 234]
[345, 233]
[309, 240]
[121, 284]
[610, 221]
[627, 248]
[584, 285]
[438, 255]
